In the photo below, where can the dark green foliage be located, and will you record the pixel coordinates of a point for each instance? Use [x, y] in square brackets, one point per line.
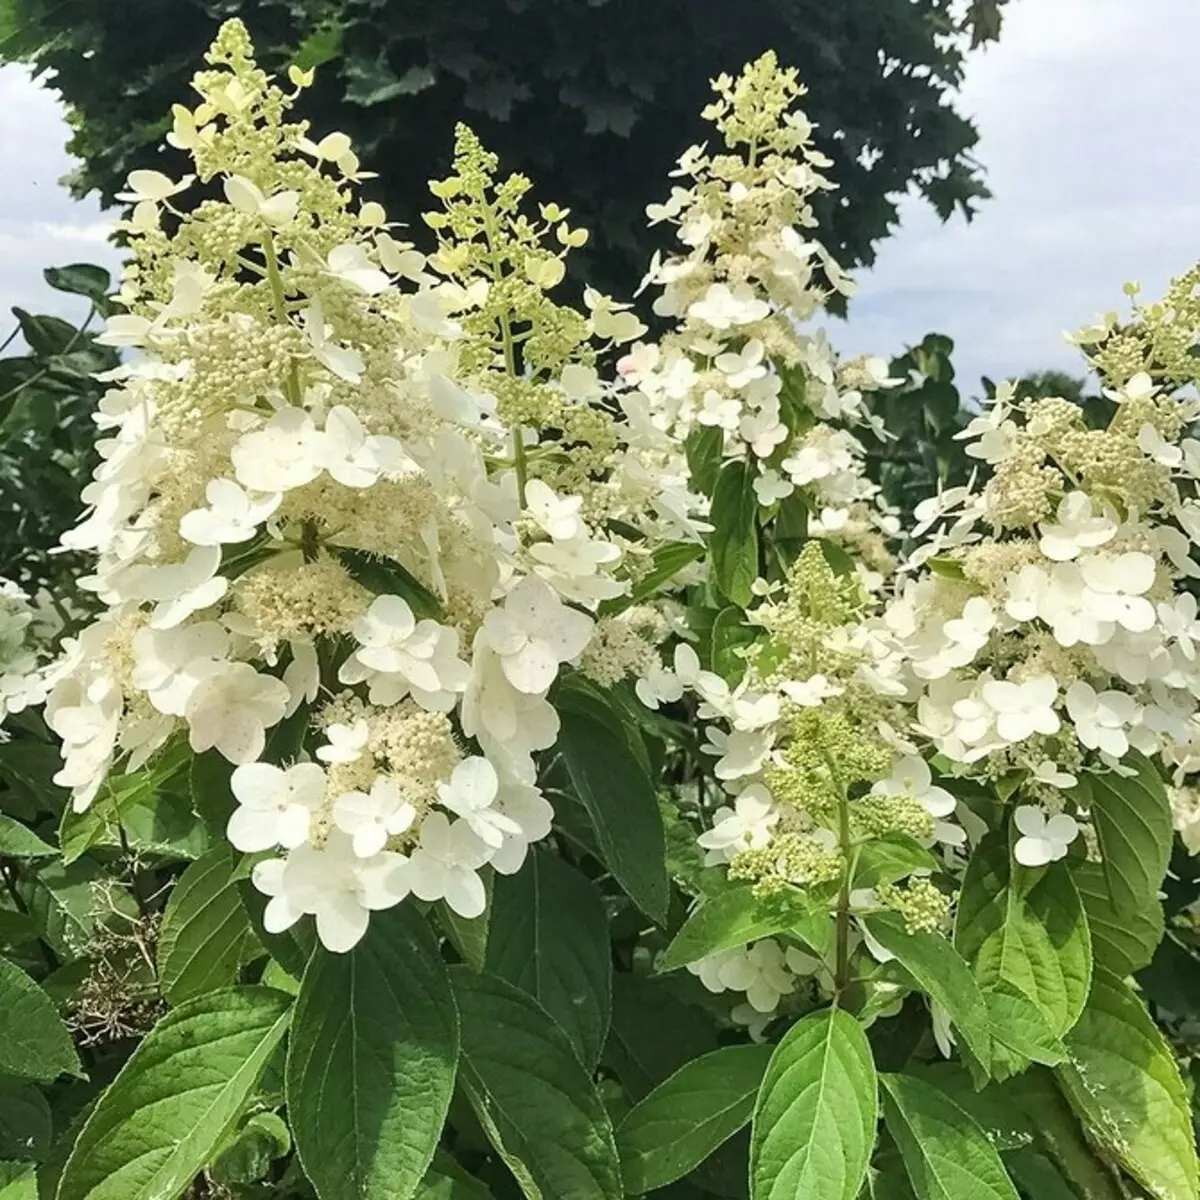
[47, 396]
[592, 100]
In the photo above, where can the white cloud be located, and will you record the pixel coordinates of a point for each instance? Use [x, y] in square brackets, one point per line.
[1087, 111]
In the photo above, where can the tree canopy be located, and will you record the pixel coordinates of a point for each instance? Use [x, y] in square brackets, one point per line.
[561, 90]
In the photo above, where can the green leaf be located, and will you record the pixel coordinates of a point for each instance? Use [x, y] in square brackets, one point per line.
[212, 797]
[1121, 942]
[733, 543]
[1038, 942]
[248, 1158]
[80, 279]
[25, 1122]
[945, 1153]
[371, 1061]
[996, 1108]
[636, 1048]
[34, 1043]
[667, 561]
[385, 576]
[735, 917]
[19, 841]
[177, 1098]
[891, 857]
[18, 1181]
[618, 794]
[944, 974]
[730, 633]
[687, 1117]
[1021, 1031]
[446, 1180]
[536, 1102]
[704, 447]
[814, 1122]
[1123, 1081]
[1038, 1176]
[293, 948]
[45, 336]
[469, 935]
[1134, 826]
[205, 930]
[549, 936]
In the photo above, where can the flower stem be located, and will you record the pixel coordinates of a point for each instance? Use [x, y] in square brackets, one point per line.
[275, 280]
[841, 970]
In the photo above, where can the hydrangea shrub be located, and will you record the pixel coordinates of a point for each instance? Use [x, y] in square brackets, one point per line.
[506, 753]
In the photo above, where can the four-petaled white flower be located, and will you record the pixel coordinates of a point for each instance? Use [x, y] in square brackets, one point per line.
[1022, 709]
[1079, 528]
[723, 307]
[533, 633]
[275, 805]
[1165, 453]
[743, 366]
[233, 514]
[399, 655]
[445, 864]
[471, 794]
[247, 197]
[282, 455]
[556, 516]
[1102, 719]
[232, 709]
[346, 742]
[748, 825]
[1042, 840]
[353, 458]
[349, 262]
[370, 818]
[343, 361]
[911, 776]
[181, 589]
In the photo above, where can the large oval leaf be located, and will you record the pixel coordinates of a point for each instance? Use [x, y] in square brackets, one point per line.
[1123, 1082]
[34, 1043]
[549, 936]
[735, 917]
[1121, 942]
[1132, 817]
[733, 544]
[947, 1156]
[944, 974]
[1037, 943]
[814, 1123]
[535, 1100]
[176, 1099]
[687, 1117]
[371, 1061]
[205, 929]
[618, 794]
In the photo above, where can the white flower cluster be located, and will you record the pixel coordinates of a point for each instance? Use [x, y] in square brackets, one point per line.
[27, 630]
[311, 413]
[1065, 635]
[734, 360]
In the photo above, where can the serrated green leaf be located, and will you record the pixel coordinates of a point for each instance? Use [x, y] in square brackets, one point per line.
[735, 917]
[945, 1153]
[1037, 943]
[733, 543]
[1121, 942]
[19, 841]
[703, 448]
[997, 1109]
[34, 1042]
[676, 1127]
[549, 936]
[385, 576]
[80, 279]
[536, 1102]
[636, 1049]
[1123, 1082]
[25, 1122]
[176, 1099]
[666, 562]
[814, 1121]
[1038, 1176]
[889, 858]
[942, 972]
[1134, 826]
[446, 1180]
[371, 1061]
[1021, 1032]
[618, 794]
[469, 935]
[205, 931]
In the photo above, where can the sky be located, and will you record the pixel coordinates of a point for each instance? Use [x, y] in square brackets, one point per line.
[1089, 115]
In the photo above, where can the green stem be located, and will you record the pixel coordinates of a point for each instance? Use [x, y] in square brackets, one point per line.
[507, 340]
[841, 970]
[275, 280]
